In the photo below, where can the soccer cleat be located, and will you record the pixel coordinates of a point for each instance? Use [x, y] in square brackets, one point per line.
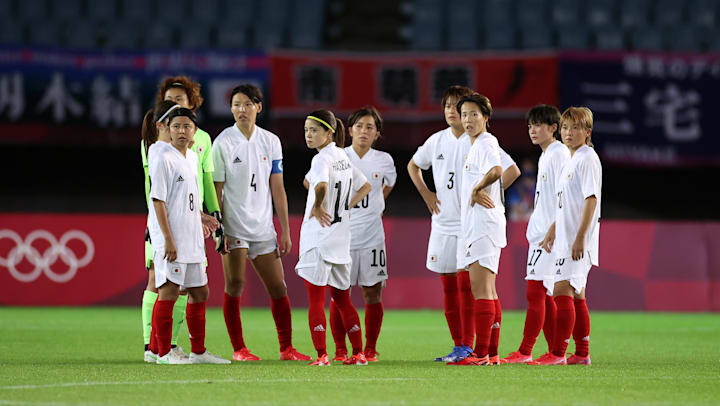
[516, 358]
[321, 361]
[149, 357]
[578, 360]
[172, 359]
[177, 350]
[340, 355]
[472, 361]
[458, 353]
[207, 358]
[371, 355]
[549, 359]
[495, 360]
[244, 354]
[291, 354]
[356, 359]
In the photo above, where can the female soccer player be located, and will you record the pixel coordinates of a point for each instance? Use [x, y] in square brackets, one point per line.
[249, 181]
[543, 124]
[177, 234]
[335, 186]
[367, 247]
[574, 237]
[483, 219]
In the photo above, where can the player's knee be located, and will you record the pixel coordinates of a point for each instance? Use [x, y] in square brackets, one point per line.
[373, 294]
[234, 286]
[278, 291]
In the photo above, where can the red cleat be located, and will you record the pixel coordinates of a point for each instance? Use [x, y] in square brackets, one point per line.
[549, 359]
[356, 359]
[291, 354]
[244, 354]
[578, 360]
[321, 361]
[495, 360]
[472, 361]
[340, 355]
[517, 358]
[371, 355]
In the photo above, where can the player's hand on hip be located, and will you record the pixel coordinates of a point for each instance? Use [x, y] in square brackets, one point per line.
[285, 244]
[432, 202]
[578, 249]
[322, 216]
[170, 250]
[482, 198]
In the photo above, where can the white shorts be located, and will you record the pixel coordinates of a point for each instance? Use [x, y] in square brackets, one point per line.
[482, 251]
[541, 267]
[183, 275]
[442, 253]
[369, 266]
[255, 248]
[574, 271]
[314, 269]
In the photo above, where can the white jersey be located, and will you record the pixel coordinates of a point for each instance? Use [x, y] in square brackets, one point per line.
[173, 180]
[331, 165]
[479, 222]
[580, 178]
[366, 227]
[550, 164]
[245, 166]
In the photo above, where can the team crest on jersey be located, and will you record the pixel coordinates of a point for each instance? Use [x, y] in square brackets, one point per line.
[543, 177]
[570, 176]
[376, 175]
[467, 167]
[433, 258]
[200, 150]
[264, 158]
[176, 270]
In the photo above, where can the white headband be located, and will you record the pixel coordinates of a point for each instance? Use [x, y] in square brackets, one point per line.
[177, 106]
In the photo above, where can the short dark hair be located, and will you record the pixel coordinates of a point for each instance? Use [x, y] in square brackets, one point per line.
[251, 91]
[456, 92]
[544, 114]
[482, 101]
[366, 111]
[183, 112]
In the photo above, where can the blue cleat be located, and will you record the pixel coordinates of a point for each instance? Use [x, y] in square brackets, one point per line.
[459, 353]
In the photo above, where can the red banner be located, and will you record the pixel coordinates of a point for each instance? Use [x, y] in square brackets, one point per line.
[59, 259]
[407, 86]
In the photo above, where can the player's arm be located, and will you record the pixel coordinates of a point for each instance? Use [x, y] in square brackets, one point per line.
[318, 210]
[429, 197]
[161, 214]
[578, 247]
[509, 176]
[279, 197]
[360, 194]
[480, 196]
[386, 190]
[306, 184]
[549, 240]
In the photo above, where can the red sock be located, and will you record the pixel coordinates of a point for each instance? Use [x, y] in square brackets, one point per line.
[350, 318]
[283, 321]
[337, 328]
[535, 316]
[564, 324]
[373, 322]
[484, 318]
[550, 320]
[153, 331]
[195, 316]
[316, 316]
[495, 330]
[581, 332]
[467, 309]
[452, 306]
[231, 311]
[164, 325]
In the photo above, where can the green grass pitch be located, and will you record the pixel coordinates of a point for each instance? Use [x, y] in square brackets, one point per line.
[93, 356]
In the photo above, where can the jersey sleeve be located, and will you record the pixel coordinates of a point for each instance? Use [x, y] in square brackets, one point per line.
[159, 179]
[557, 161]
[423, 155]
[390, 173]
[590, 173]
[319, 171]
[358, 178]
[208, 164]
[218, 162]
[506, 160]
[488, 156]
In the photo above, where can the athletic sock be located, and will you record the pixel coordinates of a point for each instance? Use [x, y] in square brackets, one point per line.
[316, 316]
[231, 312]
[178, 316]
[581, 331]
[373, 322]
[350, 318]
[337, 328]
[495, 330]
[550, 320]
[153, 333]
[564, 324]
[535, 316]
[148, 302]
[467, 308]
[283, 321]
[452, 306]
[484, 318]
[163, 322]
[196, 326]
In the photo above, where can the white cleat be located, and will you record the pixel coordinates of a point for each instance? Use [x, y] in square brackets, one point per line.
[172, 359]
[178, 351]
[149, 357]
[207, 358]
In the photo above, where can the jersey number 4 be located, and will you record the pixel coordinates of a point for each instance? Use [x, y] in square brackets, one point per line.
[336, 215]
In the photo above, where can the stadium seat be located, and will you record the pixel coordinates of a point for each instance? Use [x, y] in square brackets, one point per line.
[67, 10]
[159, 36]
[462, 26]
[123, 35]
[196, 36]
[702, 13]
[11, 33]
[6, 10]
[427, 25]
[173, 11]
[102, 10]
[44, 33]
[239, 12]
[307, 35]
[566, 12]
[536, 37]
[634, 13]
[683, 39]
[500, 37]
[600, 13]
[497, 12]
[137, 10]
[668, 13]
[647, 39]
[531, 12]
[572, 36]
[32, 9]
[270, 25]
[206, 11]
[81, 34]
[232, 36]
[609, 37]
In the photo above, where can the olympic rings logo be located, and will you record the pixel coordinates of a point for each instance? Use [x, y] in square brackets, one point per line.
[43, 262]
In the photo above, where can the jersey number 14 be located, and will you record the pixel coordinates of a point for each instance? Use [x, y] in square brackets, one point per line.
[336, 215]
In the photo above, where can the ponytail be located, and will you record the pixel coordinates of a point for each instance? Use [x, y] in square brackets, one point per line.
[328, 120]
[149, 130]
[339, 135]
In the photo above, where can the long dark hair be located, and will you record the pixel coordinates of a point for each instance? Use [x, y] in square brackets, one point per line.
[149, 132]
[337, 125]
